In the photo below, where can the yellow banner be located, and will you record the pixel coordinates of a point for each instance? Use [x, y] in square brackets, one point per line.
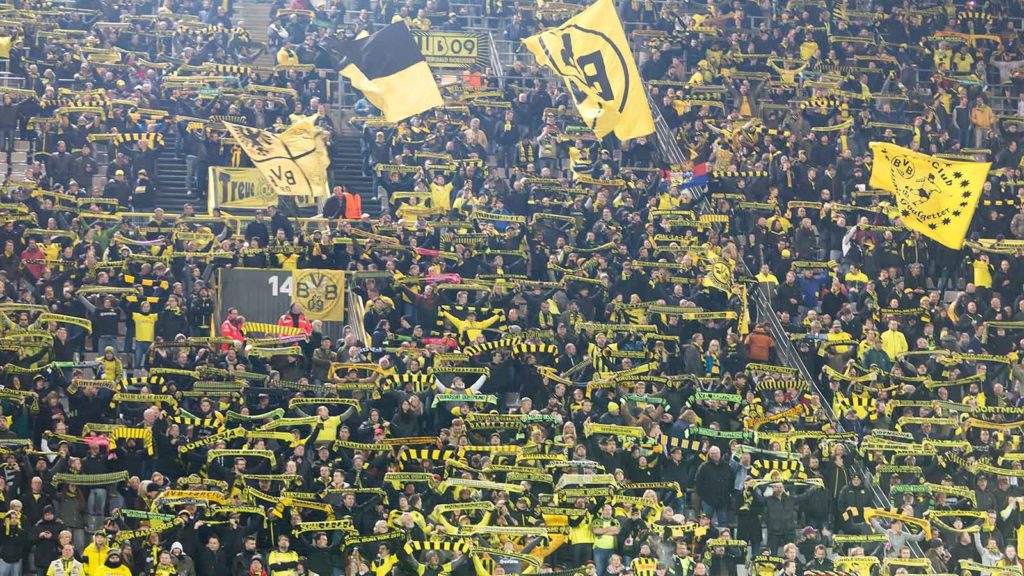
[934, 196]
[321, 293]
[590, 52]
[293, 162]
[245, 188]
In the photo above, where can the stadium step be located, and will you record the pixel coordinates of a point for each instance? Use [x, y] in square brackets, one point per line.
[256, 16]
[347, 169]
[172, 187]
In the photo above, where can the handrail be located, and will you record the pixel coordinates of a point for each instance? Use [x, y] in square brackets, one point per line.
[497, 67]
[356, 309]
[670, 150]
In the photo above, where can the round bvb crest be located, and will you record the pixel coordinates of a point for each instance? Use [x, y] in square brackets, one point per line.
[591, 68]
[903, 167]
[316, 292]
[720, 271]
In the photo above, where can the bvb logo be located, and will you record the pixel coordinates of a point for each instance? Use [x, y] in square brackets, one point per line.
[721, 273]
[317, 292]
[589, 60]
[918, 188]
[903, 167]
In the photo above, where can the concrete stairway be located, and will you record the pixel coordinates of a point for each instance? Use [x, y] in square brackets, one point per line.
[256, 16]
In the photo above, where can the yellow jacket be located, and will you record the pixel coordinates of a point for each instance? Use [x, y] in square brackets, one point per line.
[982, 116]
[894, 343]
[94, 559]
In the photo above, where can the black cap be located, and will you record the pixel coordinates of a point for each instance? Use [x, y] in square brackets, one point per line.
[48, 509]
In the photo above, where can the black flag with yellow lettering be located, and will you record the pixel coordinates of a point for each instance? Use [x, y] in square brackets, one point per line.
[390, 70]
[934, 196]
[590, 52]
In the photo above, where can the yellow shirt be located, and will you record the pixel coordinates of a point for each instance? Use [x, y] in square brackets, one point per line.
[287, 57]
[858, 277]
[963, 62]
[643, 565]
[282, 563]
[807, 50]
[581, 534]
[745, 107]
[834, 336]
[982, 274]
[668, 202]
[144, 326]
[330, 429]
[441, 196]
[943, 58]
[604, 541]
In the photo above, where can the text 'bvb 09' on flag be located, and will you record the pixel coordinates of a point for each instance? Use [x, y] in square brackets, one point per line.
[389, 69]
[294, 162]
[321, 293]
[590, 52]
[934, 196]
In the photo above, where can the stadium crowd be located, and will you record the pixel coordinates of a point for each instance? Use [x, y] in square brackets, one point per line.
[562, 365]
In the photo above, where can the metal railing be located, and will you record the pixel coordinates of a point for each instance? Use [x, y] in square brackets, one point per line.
[788, 355]
[497, 67]
[354, 314]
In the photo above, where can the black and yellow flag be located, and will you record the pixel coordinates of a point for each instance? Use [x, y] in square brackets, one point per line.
[389, 69]
[321, 293]
[590, 52]
[934, 196]
[293, 162]
[718, 272]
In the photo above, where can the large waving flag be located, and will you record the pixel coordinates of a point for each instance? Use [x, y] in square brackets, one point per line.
[590, 52]
[390, 70]
[293, 162]
[934, 196]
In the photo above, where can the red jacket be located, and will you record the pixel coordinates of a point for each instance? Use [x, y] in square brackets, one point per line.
[286, 320]
[229, 330]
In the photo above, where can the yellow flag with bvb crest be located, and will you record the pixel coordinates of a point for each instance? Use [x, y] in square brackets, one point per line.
[294, 162]
[321, 293]
[590, 52]
[934, 196]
